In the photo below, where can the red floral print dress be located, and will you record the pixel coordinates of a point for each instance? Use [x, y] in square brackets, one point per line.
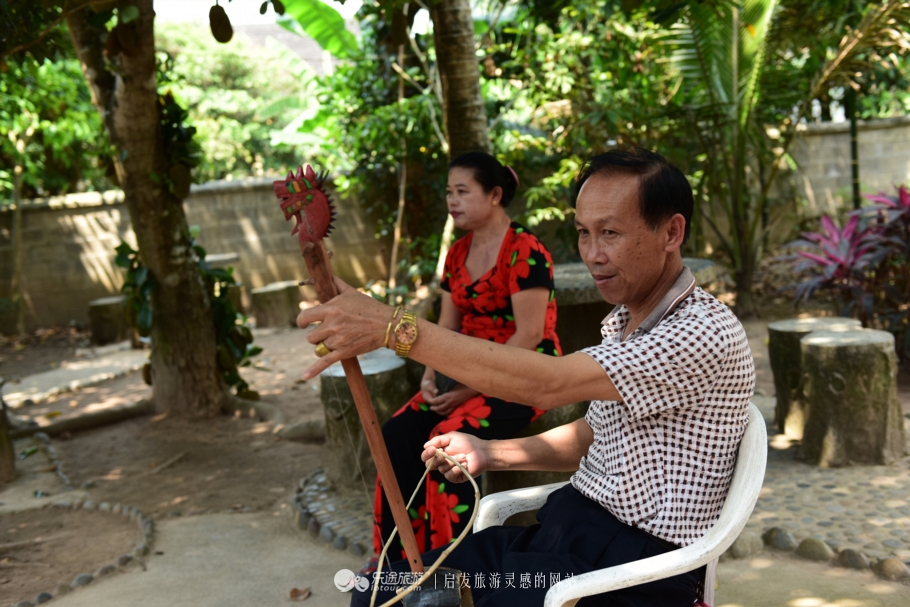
[440, 513]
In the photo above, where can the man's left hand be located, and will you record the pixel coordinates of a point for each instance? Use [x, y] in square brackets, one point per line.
[467, 450]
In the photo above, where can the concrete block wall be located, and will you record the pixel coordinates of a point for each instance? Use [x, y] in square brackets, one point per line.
[822, 153]
[69, 241]
[244, 218]
[68, 255]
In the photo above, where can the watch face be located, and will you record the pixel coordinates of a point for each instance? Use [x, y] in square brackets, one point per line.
[406, 334]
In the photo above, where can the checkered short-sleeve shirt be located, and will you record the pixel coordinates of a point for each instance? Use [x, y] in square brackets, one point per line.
[662, 458]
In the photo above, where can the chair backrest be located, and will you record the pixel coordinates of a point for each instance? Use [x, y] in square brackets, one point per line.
[748, 476]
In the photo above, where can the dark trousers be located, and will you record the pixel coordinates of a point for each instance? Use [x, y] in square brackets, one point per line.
[574, 535]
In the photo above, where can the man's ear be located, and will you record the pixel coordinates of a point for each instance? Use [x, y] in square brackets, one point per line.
[675, 229]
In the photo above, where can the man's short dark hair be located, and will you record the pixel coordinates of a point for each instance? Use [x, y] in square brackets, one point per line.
[663, 189]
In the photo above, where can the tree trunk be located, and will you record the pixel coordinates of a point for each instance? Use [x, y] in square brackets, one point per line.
[463, 105]
[16, 283]
[464, 115]
[746, 305]
[850, 386]
[7, 453]
[185, 376]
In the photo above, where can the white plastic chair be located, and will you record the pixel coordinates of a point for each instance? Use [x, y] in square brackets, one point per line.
[741, 497]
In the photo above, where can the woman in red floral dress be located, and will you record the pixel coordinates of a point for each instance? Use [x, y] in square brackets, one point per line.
[498, 286]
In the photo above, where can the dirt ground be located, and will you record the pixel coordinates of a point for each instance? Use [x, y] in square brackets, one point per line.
[40, 549]
[41, 351]
[226, 464]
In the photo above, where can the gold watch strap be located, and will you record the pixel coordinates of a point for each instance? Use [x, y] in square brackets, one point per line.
[402, 349]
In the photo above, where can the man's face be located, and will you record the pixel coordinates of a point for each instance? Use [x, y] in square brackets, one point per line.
[623, 254]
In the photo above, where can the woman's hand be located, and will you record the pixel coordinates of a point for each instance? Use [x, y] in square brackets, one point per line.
[428, 389]
[467, 450]
[444, 404]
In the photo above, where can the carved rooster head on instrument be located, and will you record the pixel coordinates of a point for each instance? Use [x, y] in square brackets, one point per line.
[302, 197]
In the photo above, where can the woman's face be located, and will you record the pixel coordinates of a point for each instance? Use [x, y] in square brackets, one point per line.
[469, 206]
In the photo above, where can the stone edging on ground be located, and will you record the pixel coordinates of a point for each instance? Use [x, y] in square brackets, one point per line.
[749, 544]
[44, 443]
[344, 522]
[146, 525]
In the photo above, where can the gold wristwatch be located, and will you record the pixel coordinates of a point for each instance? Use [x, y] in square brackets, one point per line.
[405, 334]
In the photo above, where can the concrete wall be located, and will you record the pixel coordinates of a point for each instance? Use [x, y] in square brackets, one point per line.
[69, 241]
[69, 245]
[823, 156]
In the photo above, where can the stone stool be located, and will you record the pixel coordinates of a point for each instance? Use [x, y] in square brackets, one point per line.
[581, 307]
[277, 304]
[850, 387]
[786, 364]
[387, 381]
[107, 318]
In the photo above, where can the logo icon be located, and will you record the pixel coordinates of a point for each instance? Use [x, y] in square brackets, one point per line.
[346, 580]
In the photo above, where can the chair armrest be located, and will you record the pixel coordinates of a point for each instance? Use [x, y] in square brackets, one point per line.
[567, 592]
[495, 509]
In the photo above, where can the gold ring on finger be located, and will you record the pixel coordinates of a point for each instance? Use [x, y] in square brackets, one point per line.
[322, 349]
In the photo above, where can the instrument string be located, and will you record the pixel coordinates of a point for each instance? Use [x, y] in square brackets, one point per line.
[403, 592]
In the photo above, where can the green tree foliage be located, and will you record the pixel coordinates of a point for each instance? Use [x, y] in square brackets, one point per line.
[320, 22]
[33, 28]
[49, 127]
[588, 79]
[751, 85]
[230, 92]
[355, 125]
[887, 91]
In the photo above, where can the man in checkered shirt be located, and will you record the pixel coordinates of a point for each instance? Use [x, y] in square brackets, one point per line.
[670, 387]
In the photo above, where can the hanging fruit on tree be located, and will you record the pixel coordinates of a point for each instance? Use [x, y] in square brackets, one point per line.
[220, 24]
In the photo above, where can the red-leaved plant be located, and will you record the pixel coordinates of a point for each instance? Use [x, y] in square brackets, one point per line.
[866, 264]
